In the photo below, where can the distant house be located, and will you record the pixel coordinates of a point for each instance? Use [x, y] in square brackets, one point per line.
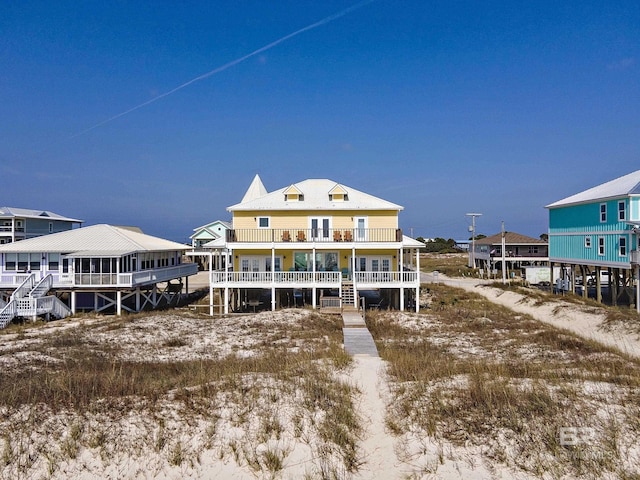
[22, 223]
[599, 229]
[100, 268]
[519, 251]
[208, 234]
[315, 241]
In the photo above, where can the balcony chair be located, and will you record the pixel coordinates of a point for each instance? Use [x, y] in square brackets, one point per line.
[301, 236]
[347, 236]
[337, 236]
[286, 236]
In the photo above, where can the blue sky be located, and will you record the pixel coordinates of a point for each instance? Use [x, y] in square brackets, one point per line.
[444, 107]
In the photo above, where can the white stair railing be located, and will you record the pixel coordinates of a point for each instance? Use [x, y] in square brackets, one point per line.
[7, 314]
[24, 288]
[42, 287]
[59, 309]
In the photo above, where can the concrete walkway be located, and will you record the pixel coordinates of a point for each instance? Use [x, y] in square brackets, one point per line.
[357, 338]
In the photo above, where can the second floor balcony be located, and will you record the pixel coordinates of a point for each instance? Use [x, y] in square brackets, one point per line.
[293, 235]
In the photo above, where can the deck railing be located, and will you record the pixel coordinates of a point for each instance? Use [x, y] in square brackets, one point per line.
[294, 235]
[335, 278]
[635, 257]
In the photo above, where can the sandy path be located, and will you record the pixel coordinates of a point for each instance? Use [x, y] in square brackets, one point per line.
[558, 314]
[379, 455]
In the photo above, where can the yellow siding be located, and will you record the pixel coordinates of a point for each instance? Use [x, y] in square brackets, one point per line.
[288, 256]
[300, 219]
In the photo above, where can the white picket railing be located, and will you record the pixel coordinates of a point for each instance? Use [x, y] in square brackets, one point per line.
[7, 313]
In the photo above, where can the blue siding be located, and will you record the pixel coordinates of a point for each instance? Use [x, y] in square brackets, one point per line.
[570, 226]
[634, 208]
[34, 227]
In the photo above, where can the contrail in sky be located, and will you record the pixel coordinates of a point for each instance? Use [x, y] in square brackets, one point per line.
[226, 66]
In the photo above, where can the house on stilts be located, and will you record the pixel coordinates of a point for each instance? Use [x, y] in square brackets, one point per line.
[598, 231]
[318, 243]
[100, 268]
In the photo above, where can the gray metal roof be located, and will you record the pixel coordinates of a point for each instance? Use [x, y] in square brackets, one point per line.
[620, 187]
[13, 212]
[97, 240]
[316, 197]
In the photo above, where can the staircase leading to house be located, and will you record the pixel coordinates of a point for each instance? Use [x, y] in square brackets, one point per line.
[42, 287]
[348, 295]
[30, 300]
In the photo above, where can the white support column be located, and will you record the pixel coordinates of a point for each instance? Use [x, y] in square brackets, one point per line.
[273, 278]
[138, 299]
[638, 288]
[226, 300]
[118, 303]
[210, 299]
[73, 302]
[210, 284]
[418, 278]
[353, 275]
[401, 266]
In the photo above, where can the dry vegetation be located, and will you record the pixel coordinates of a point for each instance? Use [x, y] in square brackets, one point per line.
[471, 382]
[151, 394]
[450, 264]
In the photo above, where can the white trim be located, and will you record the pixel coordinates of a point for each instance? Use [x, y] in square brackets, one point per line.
[623, 211]
[622, 239]
[602, 246]
[265, 217]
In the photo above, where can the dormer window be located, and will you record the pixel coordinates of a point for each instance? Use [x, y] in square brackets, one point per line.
[293, 194]
[338, 194]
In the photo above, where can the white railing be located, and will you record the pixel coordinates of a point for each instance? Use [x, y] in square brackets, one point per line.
[286, 235]
[42, 287]
[275, 277]
[635, 257]
[7, 313]
[51, 305]
[13, 279]
[378, 278]
[25, 287]
[163, 274]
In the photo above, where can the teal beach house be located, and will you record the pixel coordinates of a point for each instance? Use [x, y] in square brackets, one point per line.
[595, 235]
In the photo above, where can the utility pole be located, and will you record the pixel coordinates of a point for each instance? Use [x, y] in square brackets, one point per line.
[504, 270]
[472, 229]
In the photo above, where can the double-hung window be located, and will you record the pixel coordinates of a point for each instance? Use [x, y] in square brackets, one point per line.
[622, 246]
[603, 213]
[621, 211]
[601, 246]
[587, 242]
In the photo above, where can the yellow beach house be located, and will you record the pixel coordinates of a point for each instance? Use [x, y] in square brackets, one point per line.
[318, 243]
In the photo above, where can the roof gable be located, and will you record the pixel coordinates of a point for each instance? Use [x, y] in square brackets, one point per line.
[623, 186]
[316, 197]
